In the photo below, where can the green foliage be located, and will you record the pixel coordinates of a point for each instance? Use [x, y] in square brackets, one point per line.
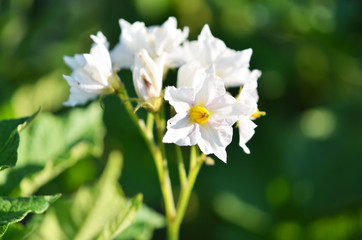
[147, 220]
[13, 210]
[9, 140]
[96, 212]
[51, 145]
[310, 56]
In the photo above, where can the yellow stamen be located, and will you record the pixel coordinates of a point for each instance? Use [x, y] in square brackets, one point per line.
[258, 114]
[199, 114]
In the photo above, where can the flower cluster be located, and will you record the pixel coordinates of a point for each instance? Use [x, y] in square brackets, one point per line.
[205, 110]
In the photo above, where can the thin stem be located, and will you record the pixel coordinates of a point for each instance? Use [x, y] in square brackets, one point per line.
[193, 157]
[185, 194]
[129, 108]
[164, 176]
[181, 167]
[149, 124]
[158, 153]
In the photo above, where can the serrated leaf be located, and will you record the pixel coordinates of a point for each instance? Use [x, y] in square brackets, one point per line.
[13, 210]
[9, 140]
[51, 145]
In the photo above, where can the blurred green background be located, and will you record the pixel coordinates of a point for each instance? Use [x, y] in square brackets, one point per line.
[303, 179]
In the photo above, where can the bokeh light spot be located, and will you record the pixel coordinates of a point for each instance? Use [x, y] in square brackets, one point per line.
[288, 231]
[152, 9]
[318, 123]
[278, 191]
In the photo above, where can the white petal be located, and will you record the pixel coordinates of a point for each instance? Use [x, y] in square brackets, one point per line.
[99, 61]
[210, 88]
[180, 131]
[122, 57]
[87, 87]
[234, 77]
[214, 139]
[167, 37]
[75, 62]
[246, 131]
[211, 47]
[251, 84]
[157, 40]
[147, 76]
[77, 95]
[236, 59]
[180, 98]
[225, 108]
[90, 72]
[249, 94]
[134, 36]
[232, 66]
[100, 39]
[190, 75]
[176, 58]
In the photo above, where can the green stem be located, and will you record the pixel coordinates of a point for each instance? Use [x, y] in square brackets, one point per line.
[164, 176]
[193, 157]
[157, 153]
[174, 227]
[129, 108]
[174, 216]
[181, 167]
[149, 125]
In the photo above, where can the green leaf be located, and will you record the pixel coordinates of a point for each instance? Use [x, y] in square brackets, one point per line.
[147, 220]
[97, 212]
[121, 221]
[13, 210]
[31, 183]
[51, 145]
[51, 136]
[9, 140]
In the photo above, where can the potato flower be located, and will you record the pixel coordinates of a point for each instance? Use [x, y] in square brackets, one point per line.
[92, 73]
[147, 79]
[230, 65]
[156, 40]
[248, 99]
[205, 114]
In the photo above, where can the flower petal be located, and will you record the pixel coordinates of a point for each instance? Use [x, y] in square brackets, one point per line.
[209, 88]
[147, 75]
[121, 57]
[100, 39]
[180, 131]
[214, 139]
[75, 62]
[77, 94]
[246, 131]
[225, 108]
[180, 98]
[190, 75]
[211, 47]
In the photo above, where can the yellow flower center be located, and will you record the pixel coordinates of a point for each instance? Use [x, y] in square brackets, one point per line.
[199, 114]
[258, 114]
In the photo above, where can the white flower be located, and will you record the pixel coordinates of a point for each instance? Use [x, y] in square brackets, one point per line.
[156, 40]
[92, 73]
[230, 65]
[248, 99]
[205, 114]
[147, 77]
